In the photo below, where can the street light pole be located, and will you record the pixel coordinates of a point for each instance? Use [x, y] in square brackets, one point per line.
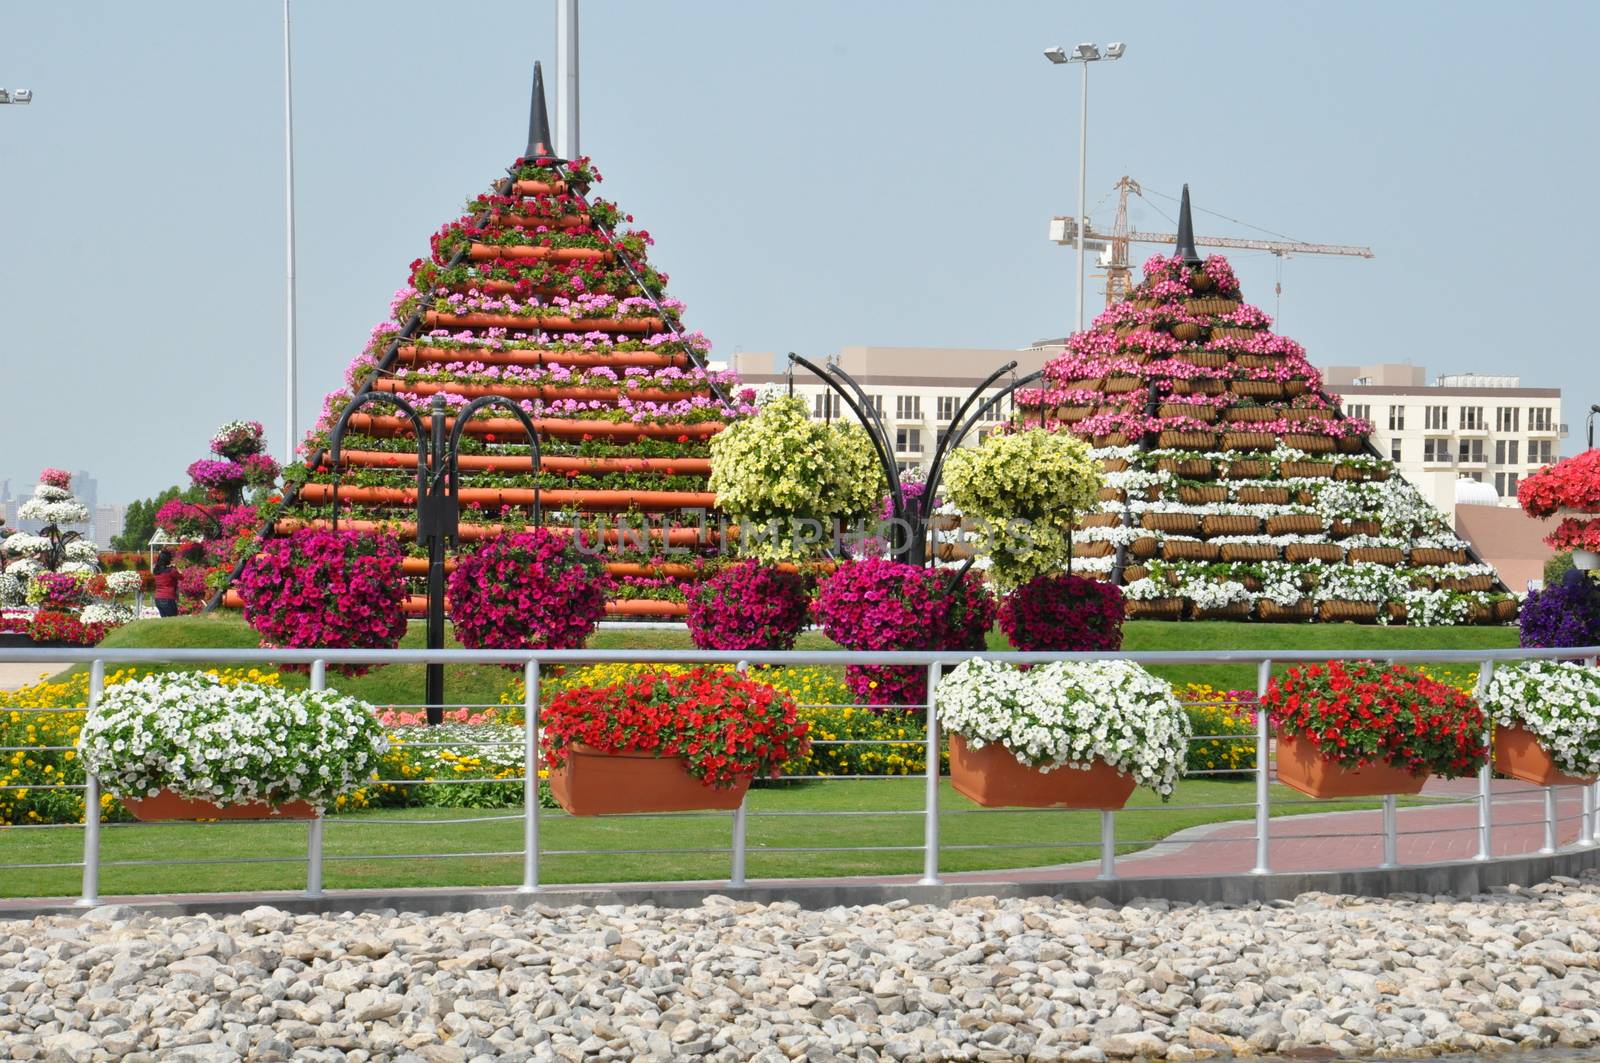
[291, 384]
[1084, 54]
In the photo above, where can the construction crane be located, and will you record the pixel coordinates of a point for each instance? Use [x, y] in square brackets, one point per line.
[1113, 246]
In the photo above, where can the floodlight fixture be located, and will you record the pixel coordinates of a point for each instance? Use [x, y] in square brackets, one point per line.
[1115, 49]
[1056, 55]
[1088, 52]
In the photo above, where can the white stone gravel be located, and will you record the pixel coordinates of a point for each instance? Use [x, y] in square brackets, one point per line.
[981, 979]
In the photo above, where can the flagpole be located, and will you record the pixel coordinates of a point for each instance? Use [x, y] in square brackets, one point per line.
[290, 437]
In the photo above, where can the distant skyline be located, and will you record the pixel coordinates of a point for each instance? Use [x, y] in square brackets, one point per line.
[814, 175]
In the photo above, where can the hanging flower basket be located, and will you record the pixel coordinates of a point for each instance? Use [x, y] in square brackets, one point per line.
[1155, 609]
[1249, 552]
[1348, 612]
[994, 778]
[167, 805]
[1247, 469]
[1099, 548]
[1428, 555]
[1302, 766]
[1197, 411]
[1330, 552]
[1378, 555]
[1273, 612]
[1263, 496]
[1307, 470]
[1199, 386]
[1100, 520]
[1171, 523]
[1201, 494]
[1396, 612]
[1294, 524]
[1190, 550]
[1231, 611]
[1210, 304]
[1176, 440]
[1188, 468]
[1112, 439]
[1464, 584]
[1346, 528]
[1205, 359]
[1346, 471]
[1187, 331]
[592, 783]
[1311, 444]
[1257, 389]
[1120, 383]
[1073, 414]
[1255, 413]
[1248, 441]
[1506, 610]
[1353, 444]
[1213, 524]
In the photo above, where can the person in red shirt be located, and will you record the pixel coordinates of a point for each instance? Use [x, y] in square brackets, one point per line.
[165, 583]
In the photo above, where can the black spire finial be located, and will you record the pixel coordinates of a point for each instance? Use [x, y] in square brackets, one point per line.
[1185, 249]
[539, 138]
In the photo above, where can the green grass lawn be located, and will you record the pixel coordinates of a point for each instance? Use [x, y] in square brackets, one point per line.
[782, 817]
[400, 684]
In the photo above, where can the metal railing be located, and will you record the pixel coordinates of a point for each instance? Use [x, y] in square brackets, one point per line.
[1487, 799]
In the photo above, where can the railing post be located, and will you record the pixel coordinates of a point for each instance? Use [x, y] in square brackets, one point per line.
[737, 844]
[91, 804]
[1108, 844]
[1486, 773]
[1549, 845]
[930, 822]
[1586, 816]
[1391, 831]
[530, 778]
[319, 681]
[1263, 772]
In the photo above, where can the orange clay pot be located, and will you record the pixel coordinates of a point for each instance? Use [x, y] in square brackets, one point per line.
[592, 783]
[538, 188]
[474, 532]
[520, 496]
[1519, 754]
[486, 252]
[383, 459]
[554, 426]
[1302, 766]
[518, 323]
[532, 356]
[512, 391]
[995, 778]
[169, 805]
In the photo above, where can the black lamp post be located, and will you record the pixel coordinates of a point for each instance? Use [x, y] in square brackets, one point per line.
[912, 516]
[438, 500]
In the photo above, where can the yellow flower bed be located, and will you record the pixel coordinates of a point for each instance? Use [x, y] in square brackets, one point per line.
[38, 771]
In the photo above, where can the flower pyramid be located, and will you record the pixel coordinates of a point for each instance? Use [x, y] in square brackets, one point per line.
[541, 293]
[1236, 488]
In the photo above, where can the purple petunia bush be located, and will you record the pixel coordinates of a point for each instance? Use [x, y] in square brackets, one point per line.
[527, 590]
[325, 589]
[749, 606]
[891, 605]
[1566, 614]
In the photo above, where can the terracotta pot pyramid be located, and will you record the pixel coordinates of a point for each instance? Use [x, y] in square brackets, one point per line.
[541, 293]
[1237, 487]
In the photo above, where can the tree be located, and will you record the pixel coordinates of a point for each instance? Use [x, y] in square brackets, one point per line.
[139, 522]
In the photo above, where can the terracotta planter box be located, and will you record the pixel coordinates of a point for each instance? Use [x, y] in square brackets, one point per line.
[995, 778]
[1519, 754]
[167, 805]
[1301, 765]
[1272, 612]
[592, 783]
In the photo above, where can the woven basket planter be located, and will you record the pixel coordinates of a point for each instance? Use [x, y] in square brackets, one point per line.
[1135, 572]
[1247, 469]
[1310, 470]
[1343, 528]
[1188, 468]
[1110, 494]
[1171, 523]
[1249, 552]
[1356, 472]
[1189, 550]
[1257, 389]
[1254, 413]
[1211, 304]
[1189, 331]
[1273, 613]
[1100, 520]
[1348, 612]
[1155, 609]
[1352, 444]
[1114, 464]
[1118, 383]
[1233, 332]
[1505, 610]
[1231, 611]
[1465, 583]
[1145, 547]
[1112, 439]
[1214, 524]
[1088, 383]
[1073, 414]
[1479, 613]
[1313, 552]
[1199, 386]
[1201, 494]
[1294, 524]
[1377, 555]
[1255, 361]
[1427, 555]
[1264, 496]
[1304, 413]
[1309, 443]
[1187, 440]
[1206, 359]
[1099, 548]
[1248, 441]
[1189, 409]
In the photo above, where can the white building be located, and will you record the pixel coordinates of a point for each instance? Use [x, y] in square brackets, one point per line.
[916, 390]
[1471, 426]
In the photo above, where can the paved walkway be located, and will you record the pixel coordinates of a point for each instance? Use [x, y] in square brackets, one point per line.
[13, 676]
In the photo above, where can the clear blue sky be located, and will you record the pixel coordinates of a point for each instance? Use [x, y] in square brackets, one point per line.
[815, 174]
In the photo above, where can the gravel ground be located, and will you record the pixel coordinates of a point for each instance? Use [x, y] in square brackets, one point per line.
[981, 979]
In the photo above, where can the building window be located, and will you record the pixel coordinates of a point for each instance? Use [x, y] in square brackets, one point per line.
[1436, 450]
[1508, 419]
[1540, 451]
[1471, 451]
[1438, 418]
[1361, 410]
[826, 407]
[947, 407]
[908, 440]
[908, 407]
[1505, 484]
[1478, 476]
[1539, 419]
[1394, 450]
[1471, 418]
[876, 402]
[1505, 452]
[1397, 418]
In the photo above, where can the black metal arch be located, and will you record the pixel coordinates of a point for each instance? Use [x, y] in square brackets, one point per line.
[453, 450]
